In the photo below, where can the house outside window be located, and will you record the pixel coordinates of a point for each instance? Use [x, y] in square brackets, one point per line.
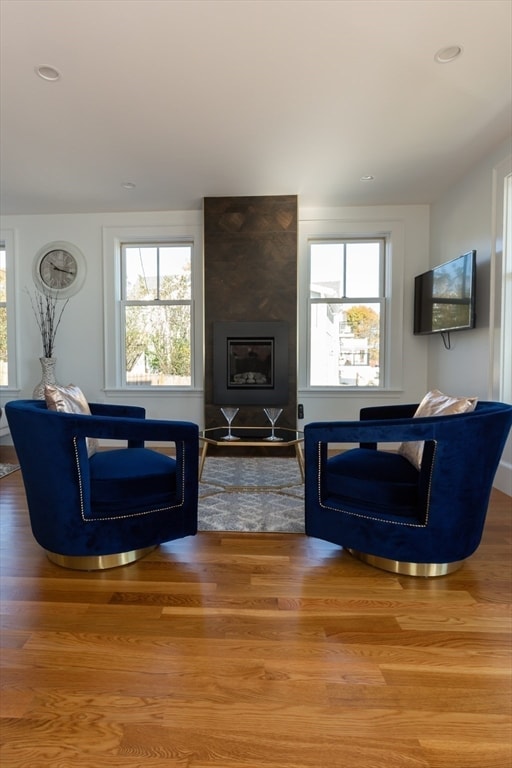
[156, 314]
[346, 312]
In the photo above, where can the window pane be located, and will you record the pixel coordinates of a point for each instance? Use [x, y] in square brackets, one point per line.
[175, 271]
[345, 344]
[324, 349]
[141, 273]
[363, 273]
[158, 345]
[359, 345]
[4, 378]
[326, 276]
[3, 275]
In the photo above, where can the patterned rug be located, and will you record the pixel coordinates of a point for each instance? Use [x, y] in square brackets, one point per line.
[245, 494]
[6, 469]
[251, 494]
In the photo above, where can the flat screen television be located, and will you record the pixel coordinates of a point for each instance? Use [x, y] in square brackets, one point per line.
[444, 297]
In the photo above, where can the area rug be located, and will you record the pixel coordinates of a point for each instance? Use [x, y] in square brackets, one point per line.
[6, 469]
[251, 494]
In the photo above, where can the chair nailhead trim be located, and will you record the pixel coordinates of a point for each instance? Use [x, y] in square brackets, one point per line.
[133, 514]
[372, 517]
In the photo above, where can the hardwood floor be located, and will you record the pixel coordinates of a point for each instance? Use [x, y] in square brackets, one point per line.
[253, 651]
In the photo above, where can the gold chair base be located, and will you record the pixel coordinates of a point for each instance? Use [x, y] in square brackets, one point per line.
[98, 562]
[427, 570]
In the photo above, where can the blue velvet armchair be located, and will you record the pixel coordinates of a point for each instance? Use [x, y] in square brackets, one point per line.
[114, 507]
[384, 510]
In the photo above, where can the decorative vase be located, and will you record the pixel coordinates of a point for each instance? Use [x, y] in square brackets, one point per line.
[48, 376]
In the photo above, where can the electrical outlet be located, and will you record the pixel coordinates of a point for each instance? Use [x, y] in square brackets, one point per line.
[300, 411]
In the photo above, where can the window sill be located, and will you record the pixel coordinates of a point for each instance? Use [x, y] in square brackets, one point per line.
[153, 392]
[335, 392]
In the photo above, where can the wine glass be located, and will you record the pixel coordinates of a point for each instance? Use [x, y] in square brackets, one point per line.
[229, 414]
[272, 415]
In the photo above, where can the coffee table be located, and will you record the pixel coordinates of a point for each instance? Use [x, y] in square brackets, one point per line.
[253, 437]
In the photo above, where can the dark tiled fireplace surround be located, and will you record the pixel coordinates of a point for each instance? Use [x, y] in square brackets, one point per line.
[250, 308]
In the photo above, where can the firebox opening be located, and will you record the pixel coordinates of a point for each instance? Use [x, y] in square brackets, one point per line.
[250, 363]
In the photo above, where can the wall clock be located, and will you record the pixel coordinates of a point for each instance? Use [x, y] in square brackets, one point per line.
[59, 268]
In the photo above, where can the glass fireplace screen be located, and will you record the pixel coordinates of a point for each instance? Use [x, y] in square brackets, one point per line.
[250, 363]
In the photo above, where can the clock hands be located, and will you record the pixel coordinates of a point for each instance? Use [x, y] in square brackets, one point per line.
[59, 269]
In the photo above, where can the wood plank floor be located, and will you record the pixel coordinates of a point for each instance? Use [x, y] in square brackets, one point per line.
[253, 651]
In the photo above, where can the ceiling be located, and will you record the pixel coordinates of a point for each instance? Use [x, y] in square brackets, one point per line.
[188, 99]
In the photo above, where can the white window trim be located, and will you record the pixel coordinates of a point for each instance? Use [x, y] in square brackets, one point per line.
[500, 316]
[506, 304]
[113, 237]
[9, 240]
[394, 231]
[501, 287]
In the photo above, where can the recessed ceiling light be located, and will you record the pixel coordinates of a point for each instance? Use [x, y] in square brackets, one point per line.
[450, 53]
[128, 185]
[48, 73]
[367, 178]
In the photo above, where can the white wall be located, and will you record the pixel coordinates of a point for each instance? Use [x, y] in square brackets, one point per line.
[462, 220]
[409, 229]
[80, 339]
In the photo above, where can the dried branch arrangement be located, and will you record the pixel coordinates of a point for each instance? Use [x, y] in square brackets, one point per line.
[48, 317]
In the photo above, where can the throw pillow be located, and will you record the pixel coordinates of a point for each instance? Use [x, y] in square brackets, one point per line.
[70, 399]
[435, 403]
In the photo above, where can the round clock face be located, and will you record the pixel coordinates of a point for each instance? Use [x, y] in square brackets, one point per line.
[59, 267]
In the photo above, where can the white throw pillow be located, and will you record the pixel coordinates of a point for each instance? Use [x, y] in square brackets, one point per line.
[435, 403]
[70, 399]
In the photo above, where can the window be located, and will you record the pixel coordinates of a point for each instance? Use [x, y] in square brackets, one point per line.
[156, 314]
[152, 272]
[8, 365]
[346, 312]
[4, 358]
[506, 310]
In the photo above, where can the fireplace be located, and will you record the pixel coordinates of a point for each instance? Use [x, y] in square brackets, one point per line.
[250, 363]
[250, 298]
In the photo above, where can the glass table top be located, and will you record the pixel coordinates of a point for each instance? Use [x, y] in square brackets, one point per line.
[254, 435]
